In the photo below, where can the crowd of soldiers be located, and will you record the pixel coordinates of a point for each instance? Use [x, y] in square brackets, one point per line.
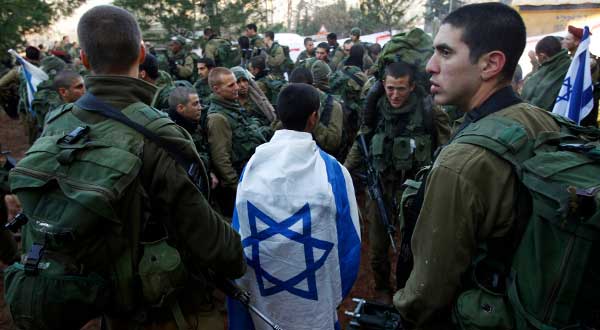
[226, 103]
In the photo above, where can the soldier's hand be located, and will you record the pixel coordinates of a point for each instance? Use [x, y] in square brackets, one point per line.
[214, 181]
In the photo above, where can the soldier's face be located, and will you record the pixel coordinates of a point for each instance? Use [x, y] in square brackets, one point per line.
[243, 84]
[347, 48]
[228, 88]
[250, 33]
[174, 47]
[398, 90]
[192, 109]
[570, 42]
[454, 78]
[310, 47]
[74, 92]
[321, 54]
[202, 70]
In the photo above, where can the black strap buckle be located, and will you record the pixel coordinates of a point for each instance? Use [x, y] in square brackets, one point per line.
[75, 135]
[34, 256]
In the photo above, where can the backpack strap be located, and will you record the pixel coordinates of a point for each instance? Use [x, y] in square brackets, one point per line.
[91, 103]
[326, 113]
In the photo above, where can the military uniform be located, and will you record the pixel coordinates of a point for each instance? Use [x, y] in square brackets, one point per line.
[336, 54]
[270, 86]
[257, 44]
[198, 136]
[328, 132]
[232, 139]
[276, 59]
[166, 189]
[469, 198]
[542, 87]
[183, 61]
[403, 140]
[303, 56]
[165, 85]
[203, 90]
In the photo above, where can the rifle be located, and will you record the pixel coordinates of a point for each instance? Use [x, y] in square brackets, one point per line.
[237, 293]
[375, 191]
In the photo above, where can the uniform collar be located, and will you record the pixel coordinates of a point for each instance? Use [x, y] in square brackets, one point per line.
[120, 91]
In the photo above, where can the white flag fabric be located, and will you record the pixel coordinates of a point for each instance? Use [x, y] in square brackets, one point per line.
[575, 99]
[32, 74]
[297, 216]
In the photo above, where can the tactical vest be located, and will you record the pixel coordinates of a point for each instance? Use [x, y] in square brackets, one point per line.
[403, 142]
[245, 135]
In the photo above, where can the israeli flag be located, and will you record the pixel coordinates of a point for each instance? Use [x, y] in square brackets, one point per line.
[575, 99]
[297, 216]
[33, 76]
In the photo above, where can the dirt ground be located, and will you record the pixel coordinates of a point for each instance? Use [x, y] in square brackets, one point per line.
[13, 138]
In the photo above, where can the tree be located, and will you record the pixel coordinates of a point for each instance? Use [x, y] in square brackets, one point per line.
[436, 11]
[19, 18]
[386, 14]
[185, 16]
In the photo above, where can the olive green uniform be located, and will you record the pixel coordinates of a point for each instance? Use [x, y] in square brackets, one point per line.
[206, 237]
[329, 135]
[184, 62]
[257, 44]
[303, 56]
[232, 139]
[404, 140]
[336, 54]
[469, 198]
[203, 90]
[275, 59]
[542, 87]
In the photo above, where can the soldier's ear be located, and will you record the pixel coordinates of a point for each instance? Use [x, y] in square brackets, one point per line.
[84, 59]
[142, 55]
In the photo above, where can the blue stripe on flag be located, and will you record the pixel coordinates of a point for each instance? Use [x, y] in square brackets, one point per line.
[580, 97]
[30, 87]
[348, 240]
[238, 316]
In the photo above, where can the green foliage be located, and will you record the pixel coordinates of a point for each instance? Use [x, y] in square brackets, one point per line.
[185, 16]
[19, 18]
[336, 18]
[386, 14]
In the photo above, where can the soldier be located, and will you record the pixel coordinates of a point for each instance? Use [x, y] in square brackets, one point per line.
[275, 55]
[322, 54]
[205, 65]
[346, 52]
[69, 86]
[472, 69]
[160, 192]
[268, 84]
[252, 99]
[181, 62]
[46, 97]
[257, 43]
[185, 110]
[355, 39]
[220, 50]
[328, 132]
[231, 136]
[336, 52]
[542, 87]
[407, 131]
[148, 71]
[308, 52]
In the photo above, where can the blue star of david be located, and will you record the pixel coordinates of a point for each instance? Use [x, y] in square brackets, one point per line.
[283, 228]
[567, 95]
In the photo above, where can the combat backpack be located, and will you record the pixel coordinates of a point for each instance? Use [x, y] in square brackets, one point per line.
[552, 275]
[78, 262]
[414, 47]
[227, 55]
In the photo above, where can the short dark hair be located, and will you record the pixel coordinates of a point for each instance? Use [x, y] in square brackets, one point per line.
[110, 37]
[258, 62]
[270, 35]
[301, 75]
[357, 52]
[150, 65]
[252, 26]
[398, 70]
[209, 62]
[296, 102]
[32, 53]
[64, 79]
[332, 36]
[323, 45]
[375, 49]
[180, 95]
[306, 40]
[244, 42]
[208, 32]
[488, 27]
[549, 45]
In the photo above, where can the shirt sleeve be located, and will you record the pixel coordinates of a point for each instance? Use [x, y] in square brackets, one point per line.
[219, 141]
[329, 137]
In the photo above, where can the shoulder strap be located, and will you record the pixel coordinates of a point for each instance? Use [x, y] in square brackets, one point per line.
[326, 114]
[91, 103]
[353, 77]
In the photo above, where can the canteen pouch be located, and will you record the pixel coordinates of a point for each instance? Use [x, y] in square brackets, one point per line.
[480, 309]
[161, 271]
[39, 301]
[378, 152]
[402, 153]
[423, 149]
